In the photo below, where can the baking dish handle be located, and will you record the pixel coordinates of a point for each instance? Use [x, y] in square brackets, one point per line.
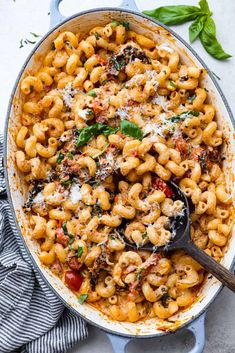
[129, 4]
[197, 328]
[56, 17]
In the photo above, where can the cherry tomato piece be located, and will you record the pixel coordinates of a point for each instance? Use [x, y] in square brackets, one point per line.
[73, 279]
[159, 184]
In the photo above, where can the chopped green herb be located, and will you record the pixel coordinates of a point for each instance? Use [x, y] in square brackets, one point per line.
[70, 155]
[90, 112]
[172, 83]
[191, 98]
[65, 230]
[60, 157]
[118, 65]
[165, 300]
[35, 35]
[97, 36]
[80, 251]
[139, 274]
[203, 161]
[82, 298]
[92, 93]
[101, 152]
[115, 23]
[97, 210]
[66, 182]
[104, 82]
[144, 235]
[183, 116]
[71, 240]
[29, 41]
[64, 227]
[126, 25]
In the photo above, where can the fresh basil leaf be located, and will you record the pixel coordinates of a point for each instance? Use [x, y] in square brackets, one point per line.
[82, 298]
[92, 93]
[115, 23]
[205, 7]
[210, 25]
[64, 227]
[130, 129]
[210, 42]
[176, 14]
[80, 251]
[70, 155]
[97, 36]
[196, 28]
[60, 158]
[126, 25]
[183, 116]
[89, 132]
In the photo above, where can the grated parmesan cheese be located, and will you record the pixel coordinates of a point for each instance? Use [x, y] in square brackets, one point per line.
[162, 101]
[123, 113]
[161, 129]
[83, 113]
[107, 166]
[68, 94]
[75, 194]
[154, 129]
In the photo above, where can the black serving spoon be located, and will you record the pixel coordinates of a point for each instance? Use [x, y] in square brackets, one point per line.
[182, 240]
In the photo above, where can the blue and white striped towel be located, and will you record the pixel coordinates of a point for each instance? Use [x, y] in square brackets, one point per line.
[32, 318]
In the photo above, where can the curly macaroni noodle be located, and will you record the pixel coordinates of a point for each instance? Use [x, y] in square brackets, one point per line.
[107, 121]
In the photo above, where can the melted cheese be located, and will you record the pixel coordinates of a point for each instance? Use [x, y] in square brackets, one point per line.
[165, 47]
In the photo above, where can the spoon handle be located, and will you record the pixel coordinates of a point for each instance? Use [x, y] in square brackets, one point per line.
[211, 266]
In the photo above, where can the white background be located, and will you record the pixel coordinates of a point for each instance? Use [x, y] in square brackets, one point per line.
[20, 17]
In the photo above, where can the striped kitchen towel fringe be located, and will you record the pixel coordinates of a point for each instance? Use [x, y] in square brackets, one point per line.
[32, 318]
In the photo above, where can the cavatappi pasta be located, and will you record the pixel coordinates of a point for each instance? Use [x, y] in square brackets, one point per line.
[109, 119]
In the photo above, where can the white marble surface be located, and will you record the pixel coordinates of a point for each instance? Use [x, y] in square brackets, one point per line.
[20, 17]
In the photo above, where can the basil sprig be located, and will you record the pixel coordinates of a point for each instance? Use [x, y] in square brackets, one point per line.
[86, 134]
[203, 26]
[126, 127]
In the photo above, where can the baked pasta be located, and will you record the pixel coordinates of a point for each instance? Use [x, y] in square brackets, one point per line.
[107, 121]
